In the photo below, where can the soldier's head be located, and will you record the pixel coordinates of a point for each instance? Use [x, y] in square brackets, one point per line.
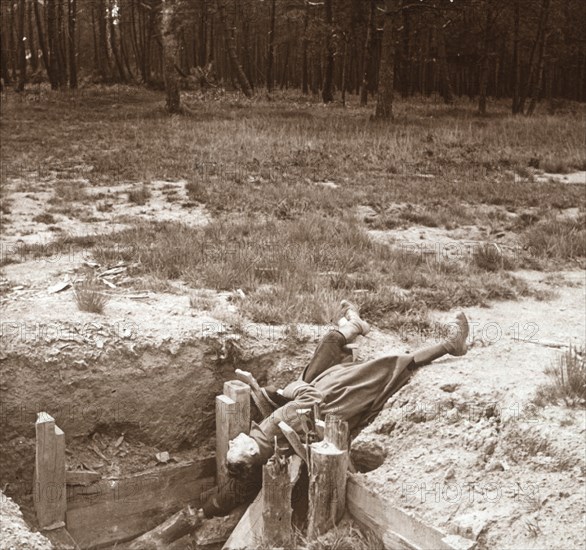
[243, 454]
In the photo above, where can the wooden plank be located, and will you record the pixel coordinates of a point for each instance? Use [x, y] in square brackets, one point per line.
[118, 510]
[50, 489]
[249, 529]
[395, 527]
[61, 539]
[81, 477]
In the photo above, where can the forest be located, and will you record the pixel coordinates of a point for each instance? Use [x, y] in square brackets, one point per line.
[525, 50]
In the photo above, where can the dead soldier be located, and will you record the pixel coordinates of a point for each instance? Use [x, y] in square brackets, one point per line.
[355, 391]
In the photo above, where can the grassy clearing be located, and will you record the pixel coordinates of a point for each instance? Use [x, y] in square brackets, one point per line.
[253, 156]
[298, 270]
[567, 380]
[279, 234]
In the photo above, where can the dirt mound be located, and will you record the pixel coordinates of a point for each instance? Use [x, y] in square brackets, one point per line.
[14, 532]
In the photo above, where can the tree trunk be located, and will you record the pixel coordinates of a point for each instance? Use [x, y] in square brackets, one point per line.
[516, 60]
[367, 55]
[61, 45]
[12, 46]
[483, 83]
[386, 78]
[53, 45]
[21, 52]
[328, 89]
[169, 57]
[534, 59]
[444, 72]
[539, 80]
[343, 85]
[4, 72]
[31, 38]
[114, 45]
[271, 52]
[305, 67]
[230, 30]
[42, 45]
[72, 18]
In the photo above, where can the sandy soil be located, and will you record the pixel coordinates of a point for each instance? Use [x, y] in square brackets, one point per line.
[15, 534]
[465, 449]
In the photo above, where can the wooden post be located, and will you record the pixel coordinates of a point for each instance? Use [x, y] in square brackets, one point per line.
[336, 432]
[226, 412]
[239, 392]
[277, 511]
[50, 491]
[327, 478]
[232, 418]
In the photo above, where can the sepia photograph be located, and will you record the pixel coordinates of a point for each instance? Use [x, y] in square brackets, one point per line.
[292, 274]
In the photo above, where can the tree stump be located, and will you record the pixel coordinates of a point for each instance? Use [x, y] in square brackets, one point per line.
[327, 478]
[277, 510]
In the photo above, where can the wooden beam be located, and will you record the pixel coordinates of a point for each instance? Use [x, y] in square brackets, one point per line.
[249, 529]
[117, 510]
[395, 527]
[81, 477]
[61, 539]
[327, 487]
[277, 511]
[239, 392]
[50, 492]
[178, 525]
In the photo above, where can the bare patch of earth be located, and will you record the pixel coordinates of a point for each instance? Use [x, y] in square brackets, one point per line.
[574, 178]
[102, 209]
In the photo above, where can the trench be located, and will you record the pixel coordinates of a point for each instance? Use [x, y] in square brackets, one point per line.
[117, 413]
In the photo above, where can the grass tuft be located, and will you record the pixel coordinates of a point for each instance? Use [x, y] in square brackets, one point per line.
[139, 195]
[557, 239]
[567, 380]
[89, 297]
